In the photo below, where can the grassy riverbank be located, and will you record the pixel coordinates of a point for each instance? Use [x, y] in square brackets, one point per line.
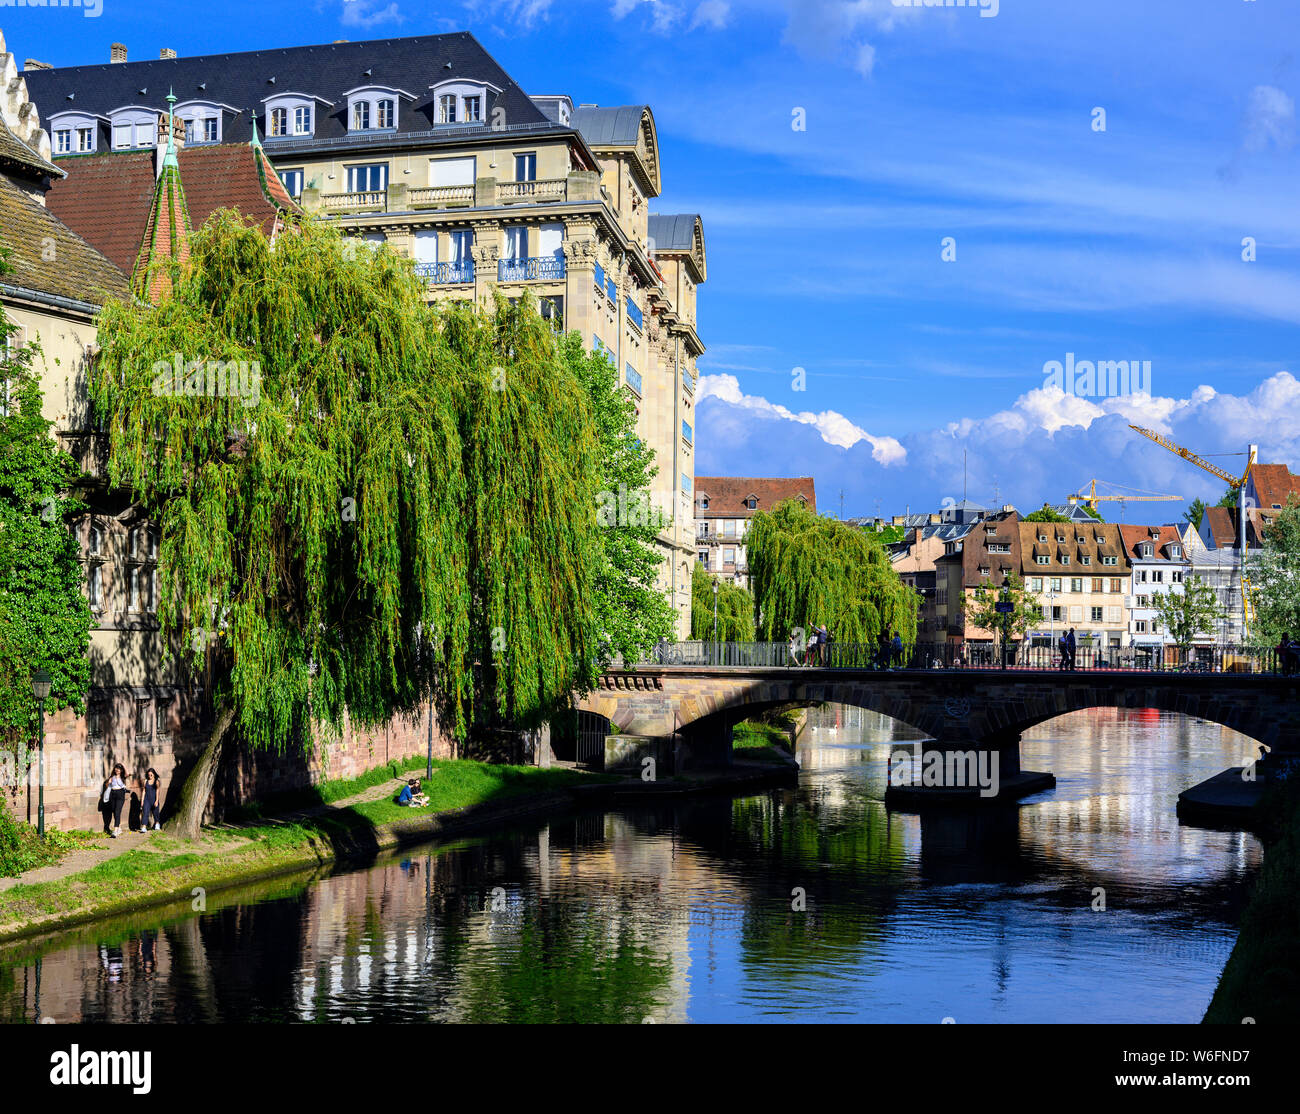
[356, 815]
[1261, 979]
[760, 742]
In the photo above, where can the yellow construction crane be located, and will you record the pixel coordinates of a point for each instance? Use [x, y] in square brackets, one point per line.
[1234, 484]
[1090, 498]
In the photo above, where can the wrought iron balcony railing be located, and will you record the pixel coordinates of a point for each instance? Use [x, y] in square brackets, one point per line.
[446, 274]
[522, 270]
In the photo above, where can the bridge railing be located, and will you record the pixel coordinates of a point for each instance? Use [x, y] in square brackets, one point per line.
[1220, 658]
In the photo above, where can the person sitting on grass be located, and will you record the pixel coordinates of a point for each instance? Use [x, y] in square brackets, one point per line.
[411, 795]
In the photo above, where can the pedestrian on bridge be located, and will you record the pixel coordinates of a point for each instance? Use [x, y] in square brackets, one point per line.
[1071, 650]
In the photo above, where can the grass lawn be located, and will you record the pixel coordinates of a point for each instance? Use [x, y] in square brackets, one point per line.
[760, 742]
[458, 783]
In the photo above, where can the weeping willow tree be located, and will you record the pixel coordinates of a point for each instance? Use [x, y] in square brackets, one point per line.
[361, 502]
[735, 609]
[632, 614]
[808, 571]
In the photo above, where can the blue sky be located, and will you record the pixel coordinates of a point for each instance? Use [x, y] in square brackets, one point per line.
[921, 123]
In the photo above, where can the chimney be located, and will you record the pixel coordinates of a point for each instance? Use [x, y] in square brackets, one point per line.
[33, 64]
[117, 52]
[166, 53]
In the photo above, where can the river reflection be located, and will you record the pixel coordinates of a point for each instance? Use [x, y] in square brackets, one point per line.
[811, 903]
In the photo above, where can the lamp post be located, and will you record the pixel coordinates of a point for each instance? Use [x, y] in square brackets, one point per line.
[41, 690]
[715, 609]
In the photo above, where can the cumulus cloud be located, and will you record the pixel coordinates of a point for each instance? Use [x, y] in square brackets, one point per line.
[1043, 446]
[834, 427]
[712, 13]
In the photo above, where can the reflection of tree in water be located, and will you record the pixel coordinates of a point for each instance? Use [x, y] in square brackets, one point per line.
[844, 862]
[566, 966]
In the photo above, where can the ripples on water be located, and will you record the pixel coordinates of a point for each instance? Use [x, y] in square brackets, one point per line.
[688, 912]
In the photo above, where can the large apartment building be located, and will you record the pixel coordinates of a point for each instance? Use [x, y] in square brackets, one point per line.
[1080, 574]
[427, 145]
[724, 506]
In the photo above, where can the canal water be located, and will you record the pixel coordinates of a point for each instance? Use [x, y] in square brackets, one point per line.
[1088, 903]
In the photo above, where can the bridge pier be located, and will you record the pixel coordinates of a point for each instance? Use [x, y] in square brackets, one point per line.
[960, 772]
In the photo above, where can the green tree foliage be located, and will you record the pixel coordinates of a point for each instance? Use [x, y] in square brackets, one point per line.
[1195, 512]
[1275, 579]
[806, 570]
[1193, 611]
[1230, 499]
[982, 610]
[44, 615]
[632, 614]
[1045, 514]
[404, 500]
[735, 609]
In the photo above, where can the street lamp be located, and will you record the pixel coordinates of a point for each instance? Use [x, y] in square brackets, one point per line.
[41, 690]
[715, 609]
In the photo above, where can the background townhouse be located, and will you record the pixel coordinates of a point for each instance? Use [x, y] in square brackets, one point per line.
[428, 145]
[1080, 575]
[1159, 564]
[984, 557]
[723, 507]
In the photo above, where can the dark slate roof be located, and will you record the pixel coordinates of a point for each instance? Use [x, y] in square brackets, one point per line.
[327, 70]
[675, 232]
[77, 270]
[107, 197]
[610, 127]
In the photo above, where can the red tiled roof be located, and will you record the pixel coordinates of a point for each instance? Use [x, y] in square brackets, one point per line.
[107, 198]
[1274, 484]
[1135, 535]
[727, 494]
[1222, 522]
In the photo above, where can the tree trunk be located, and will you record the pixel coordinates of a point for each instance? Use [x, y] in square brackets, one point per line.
[198, 786]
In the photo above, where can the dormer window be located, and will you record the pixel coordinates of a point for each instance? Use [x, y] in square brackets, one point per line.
[1042, 537]
[1175, 551]
[1147, 551]
[457, 101]
[704, 504]
[291, 114]
[74, 131]
[374, 108]
[203, 120]
[751, 503]
[134, 126]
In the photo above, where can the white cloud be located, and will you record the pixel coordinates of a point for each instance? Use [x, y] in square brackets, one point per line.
[1270, 118]
[367, 13]
[834, 427]
[711, 13]
[866, 60]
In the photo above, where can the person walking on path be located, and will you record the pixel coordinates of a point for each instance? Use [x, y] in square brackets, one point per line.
[796, 645]
[1063, 651]
[150, 810]
[1071, 647]
[114, 798]
[896, 655]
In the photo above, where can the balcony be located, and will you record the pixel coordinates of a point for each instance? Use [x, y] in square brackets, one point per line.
[634, 315]
[541, 189]
[525, 270]
[446, 274]
[363, 201]
[440, 197]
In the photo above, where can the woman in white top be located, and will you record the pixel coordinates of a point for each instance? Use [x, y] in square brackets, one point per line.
[114, 797]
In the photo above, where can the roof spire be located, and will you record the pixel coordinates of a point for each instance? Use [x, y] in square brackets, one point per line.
[256, 141]
[169, 159]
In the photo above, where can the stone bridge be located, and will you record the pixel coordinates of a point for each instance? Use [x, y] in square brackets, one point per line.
[683, 715]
